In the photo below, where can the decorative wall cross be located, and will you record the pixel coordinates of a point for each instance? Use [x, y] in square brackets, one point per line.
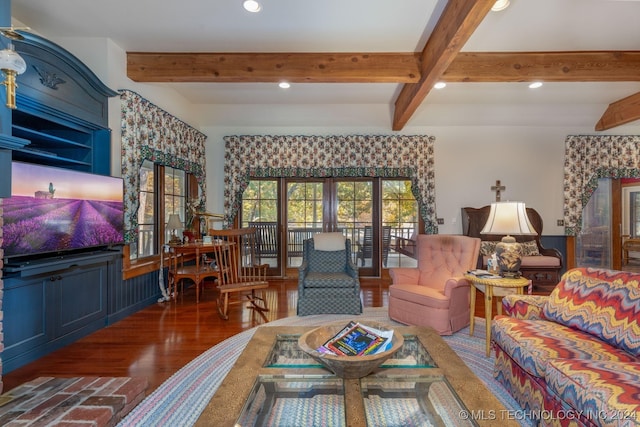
[498, 188]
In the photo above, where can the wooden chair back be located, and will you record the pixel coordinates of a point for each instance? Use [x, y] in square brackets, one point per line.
[240, 273]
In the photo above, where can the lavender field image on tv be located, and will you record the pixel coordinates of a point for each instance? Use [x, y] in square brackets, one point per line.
[54, 210]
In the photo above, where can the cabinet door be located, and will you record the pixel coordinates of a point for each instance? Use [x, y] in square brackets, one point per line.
[81, 298]
[27, 322]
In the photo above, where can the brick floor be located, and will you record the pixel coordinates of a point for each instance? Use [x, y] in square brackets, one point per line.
[77, 402]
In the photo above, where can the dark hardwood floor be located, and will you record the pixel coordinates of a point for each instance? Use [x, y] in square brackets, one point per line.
[158, 340]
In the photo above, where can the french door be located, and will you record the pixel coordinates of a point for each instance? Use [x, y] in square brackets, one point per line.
[370, 212]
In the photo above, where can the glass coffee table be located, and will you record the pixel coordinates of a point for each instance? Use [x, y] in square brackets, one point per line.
[274, 383]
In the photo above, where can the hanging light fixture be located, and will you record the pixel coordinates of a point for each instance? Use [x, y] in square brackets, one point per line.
[11, 64]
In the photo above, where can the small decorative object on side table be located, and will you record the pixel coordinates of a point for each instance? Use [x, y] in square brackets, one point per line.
[492, 285]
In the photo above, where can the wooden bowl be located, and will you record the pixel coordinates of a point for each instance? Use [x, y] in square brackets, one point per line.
[346, 366]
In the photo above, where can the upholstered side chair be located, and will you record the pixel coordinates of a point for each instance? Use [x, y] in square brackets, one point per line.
[435, 293]
[328, 281]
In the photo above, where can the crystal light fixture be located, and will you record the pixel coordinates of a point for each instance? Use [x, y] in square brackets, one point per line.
[12, 64]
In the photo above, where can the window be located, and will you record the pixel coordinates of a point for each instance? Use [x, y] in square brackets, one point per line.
[146, 212]
[163, 191]
[379, 216]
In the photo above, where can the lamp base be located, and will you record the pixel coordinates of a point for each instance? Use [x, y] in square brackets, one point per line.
[509, 254]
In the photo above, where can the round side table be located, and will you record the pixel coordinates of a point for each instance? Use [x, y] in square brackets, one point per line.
[490, 287]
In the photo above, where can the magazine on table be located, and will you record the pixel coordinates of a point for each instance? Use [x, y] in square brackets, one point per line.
[357, 339]
[484, 274]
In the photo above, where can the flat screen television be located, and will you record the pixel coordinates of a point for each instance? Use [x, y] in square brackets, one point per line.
[54, 211]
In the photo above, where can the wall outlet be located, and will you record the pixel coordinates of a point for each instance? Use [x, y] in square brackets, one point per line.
[561, 223]
[440, 221]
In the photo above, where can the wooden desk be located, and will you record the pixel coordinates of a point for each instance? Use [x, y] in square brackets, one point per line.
[491, 287]
[197, 272]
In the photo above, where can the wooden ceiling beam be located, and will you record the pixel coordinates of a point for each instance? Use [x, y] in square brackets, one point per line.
[620, 112]
[587, 66]
[273, 67]
[458, 21]
[478, 67]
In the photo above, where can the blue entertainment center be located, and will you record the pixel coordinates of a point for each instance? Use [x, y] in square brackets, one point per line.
[53, 299]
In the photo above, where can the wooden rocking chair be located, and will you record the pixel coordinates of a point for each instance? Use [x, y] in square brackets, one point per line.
[239, 270]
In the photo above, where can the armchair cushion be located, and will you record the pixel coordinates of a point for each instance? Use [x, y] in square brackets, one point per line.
[421, 295]
[315, 279]
[329, 241]
[328, 261]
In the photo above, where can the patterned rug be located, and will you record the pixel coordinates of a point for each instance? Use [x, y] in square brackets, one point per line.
[180, 400]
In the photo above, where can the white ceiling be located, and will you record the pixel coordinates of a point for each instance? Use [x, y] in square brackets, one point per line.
[359, 26]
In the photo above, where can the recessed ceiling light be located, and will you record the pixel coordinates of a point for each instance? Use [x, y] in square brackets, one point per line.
[500, 5]
[440, 85]
[535, 85]
[284, 85]
[252, 6]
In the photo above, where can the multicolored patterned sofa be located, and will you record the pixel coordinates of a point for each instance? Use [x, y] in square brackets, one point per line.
[573, 357]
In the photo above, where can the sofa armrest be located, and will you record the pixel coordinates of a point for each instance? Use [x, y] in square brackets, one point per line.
[407, 276]
[527, 307]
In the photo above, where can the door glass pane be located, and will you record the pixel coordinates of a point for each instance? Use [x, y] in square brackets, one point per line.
[594, 241]
[400, 215]
[260, 211]
[304, 217]
[175, 198]
[354, 217]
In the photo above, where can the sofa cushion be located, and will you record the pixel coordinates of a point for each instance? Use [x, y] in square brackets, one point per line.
[530, 248]
[543, 261]
[422, 295]
[603, 303]
[533, 343]
[487, 248]
[540, 261]
[603, 391]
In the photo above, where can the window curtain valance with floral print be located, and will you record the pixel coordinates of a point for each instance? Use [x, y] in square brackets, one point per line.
[588, 158]
[388, 156]
[150, 133]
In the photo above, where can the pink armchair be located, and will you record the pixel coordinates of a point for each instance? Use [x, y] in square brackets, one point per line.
[435, 293]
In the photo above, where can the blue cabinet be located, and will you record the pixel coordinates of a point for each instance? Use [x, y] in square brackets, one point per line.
[61, 120]
[50, 304]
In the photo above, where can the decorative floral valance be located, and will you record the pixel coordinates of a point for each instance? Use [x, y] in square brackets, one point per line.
[390, 156]
[150, 133]
[588, 158]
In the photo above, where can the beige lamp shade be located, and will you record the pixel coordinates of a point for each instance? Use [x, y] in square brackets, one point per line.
[508, 218]
[174, 222]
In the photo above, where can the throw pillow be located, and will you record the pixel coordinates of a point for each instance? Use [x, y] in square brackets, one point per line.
[487, 248]
[329, 241]
[530, 248]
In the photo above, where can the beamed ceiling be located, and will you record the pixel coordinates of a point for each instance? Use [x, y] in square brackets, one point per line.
[443, 45]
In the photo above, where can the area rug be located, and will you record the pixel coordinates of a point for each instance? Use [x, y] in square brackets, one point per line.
[180, 400]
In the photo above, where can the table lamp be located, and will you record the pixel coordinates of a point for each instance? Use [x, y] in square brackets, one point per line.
[508, 219]
[174, 224]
